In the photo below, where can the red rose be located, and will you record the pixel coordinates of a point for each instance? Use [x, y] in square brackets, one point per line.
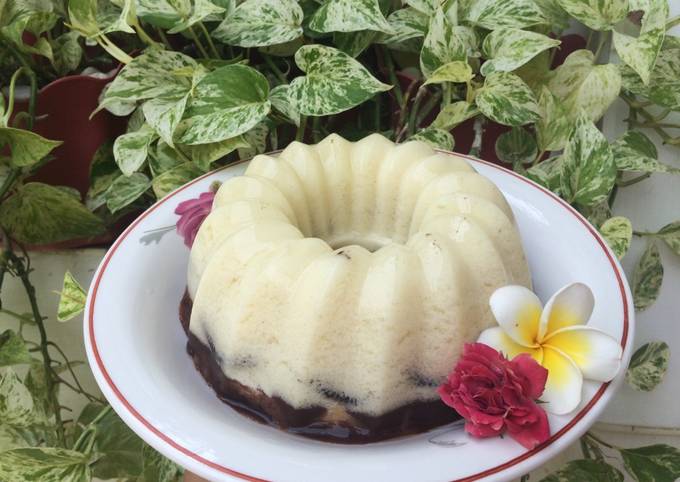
[192, 213]
[496, 395]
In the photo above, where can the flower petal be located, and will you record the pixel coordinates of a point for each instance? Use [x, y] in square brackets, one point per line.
[595, 352]
[517, 310]
[572, 305]
[495, 337]
[535, 374]
[562, 392]
[529, 436]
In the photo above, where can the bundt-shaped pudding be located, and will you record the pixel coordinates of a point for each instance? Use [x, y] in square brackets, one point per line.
[332, 287]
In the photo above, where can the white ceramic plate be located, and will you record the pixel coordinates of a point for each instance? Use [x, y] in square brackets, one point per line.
[136, 349]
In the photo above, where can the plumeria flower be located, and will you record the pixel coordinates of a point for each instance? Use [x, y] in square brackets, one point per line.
[557, 337]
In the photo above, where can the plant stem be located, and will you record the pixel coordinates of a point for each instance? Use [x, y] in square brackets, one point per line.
[446, 94]
[16, 315]
[164, 39]
[8, 182]
[82, 391]
[113, 50]
[600, 441]
[600, 45]
[213, 49]
[672, 22]
[635, 180]
[644, 233]
[198, 43]
[637, 109]
[391, 73]
[589, 39]
[300, 134]
[414, 110]
[141, 33]
[275, 70]
[432, 102]
[91, 428]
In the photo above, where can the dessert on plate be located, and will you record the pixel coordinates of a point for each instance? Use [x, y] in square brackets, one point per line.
[332, 287]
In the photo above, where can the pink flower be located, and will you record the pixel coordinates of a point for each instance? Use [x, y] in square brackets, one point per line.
[191, 215]
[496, 395]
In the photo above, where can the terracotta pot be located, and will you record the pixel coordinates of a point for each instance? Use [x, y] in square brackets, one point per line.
[63, 110]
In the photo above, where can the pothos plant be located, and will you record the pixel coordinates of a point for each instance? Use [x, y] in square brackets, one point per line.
[219, 80]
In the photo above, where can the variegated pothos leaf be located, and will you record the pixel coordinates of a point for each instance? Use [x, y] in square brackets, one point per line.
[588, 168]
[164, 115]
[443, 43]
[453, 114]
[173, 178]
[647, 277]
[130, 150]
[506, 99]
[258, 23]
[554, 126]
[202, 10]
[280, 97]
[47, 464]
[125, 190]
[509, 48]
[516, 146]
[648, 366]
[406, 23]
[494, 14]
[349, 16]
[634, 151]
[334, 81]
[71, 298]
[670, 234]
[596, 14]
[618, 232]
[456, 71]
[664, 82]
[437, 138]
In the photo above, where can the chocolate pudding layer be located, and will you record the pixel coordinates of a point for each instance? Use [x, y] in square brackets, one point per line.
[338, 424]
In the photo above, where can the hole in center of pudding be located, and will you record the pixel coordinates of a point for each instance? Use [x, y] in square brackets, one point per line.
[372, 242]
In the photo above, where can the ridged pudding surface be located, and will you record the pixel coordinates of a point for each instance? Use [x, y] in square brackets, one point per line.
[345, 277]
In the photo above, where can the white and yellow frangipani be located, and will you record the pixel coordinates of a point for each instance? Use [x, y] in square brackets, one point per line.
[557, 337]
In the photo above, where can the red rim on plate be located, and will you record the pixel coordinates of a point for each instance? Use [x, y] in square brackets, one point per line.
[226, 470]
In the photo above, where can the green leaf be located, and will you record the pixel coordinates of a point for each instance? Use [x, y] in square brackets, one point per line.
[582, 85]
[585, 470]
[16, 402]
[406, 24]
[456, 71]
[286, 49]
[83, 16]
[280, 98]
[507, 49]
[506, 99]
[67, 52]
[670, 234]
[647, 277]
[556, 17]
[554, 126]
[46, 464]
[664, 82]
[596, 214]
[226, 103]
[157, 468]
[255, 141]
[130, 150]
[118, 21]
[596, 14]
[634, 151]
[426, 7]
[453, 114]
[13, 350]
[516, 146]
[257, 23]
[34, 17]
[547, 173]
[648, 366]
[164, 115]
[437, 138]
[443, 43]
[618, 232]
[654, 463]
[171, 179]
[125, 190]
[588, 168]
[26, 147]
[353, 43]
[203, 155]
[163, 13]
[41, 214]
[120, 447]
[494, 14]
[640, 52]
[349, 16]
[156, 73]
[162, 157]
[72, 298]
[201, 11]
[334, 82]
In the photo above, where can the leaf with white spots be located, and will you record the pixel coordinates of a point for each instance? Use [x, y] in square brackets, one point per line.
[640, 52]
[596, 214]
[44, 464]
[334, 82]
[618, 232]
[71, 298]
[509, 48]
[652, 463]
[554, 126]
[406, 24]
[258, 23]
[67, 52]
[456, 71]
[443, 43]
[670, 234]
[664, 82]
[125, 190]
[547, 173]
[163, 13]
[426, 7]
[282, 102]
[648, 366]
[437, 138]
[647, 277]
[634, 151]
[585, 470]
[25, 147]
[130, 150]
[506, 99]
[596, 14]
[453, 114]
[516, 146]
[353, 43]
[13, 350]
[349, 16]
[164, 115]
[588, 168]
[226, 103]
[255, 140]
[203, 155]
[494, 14]
[582, 85]
[556, 17]
[202, 10]
[173, 178]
